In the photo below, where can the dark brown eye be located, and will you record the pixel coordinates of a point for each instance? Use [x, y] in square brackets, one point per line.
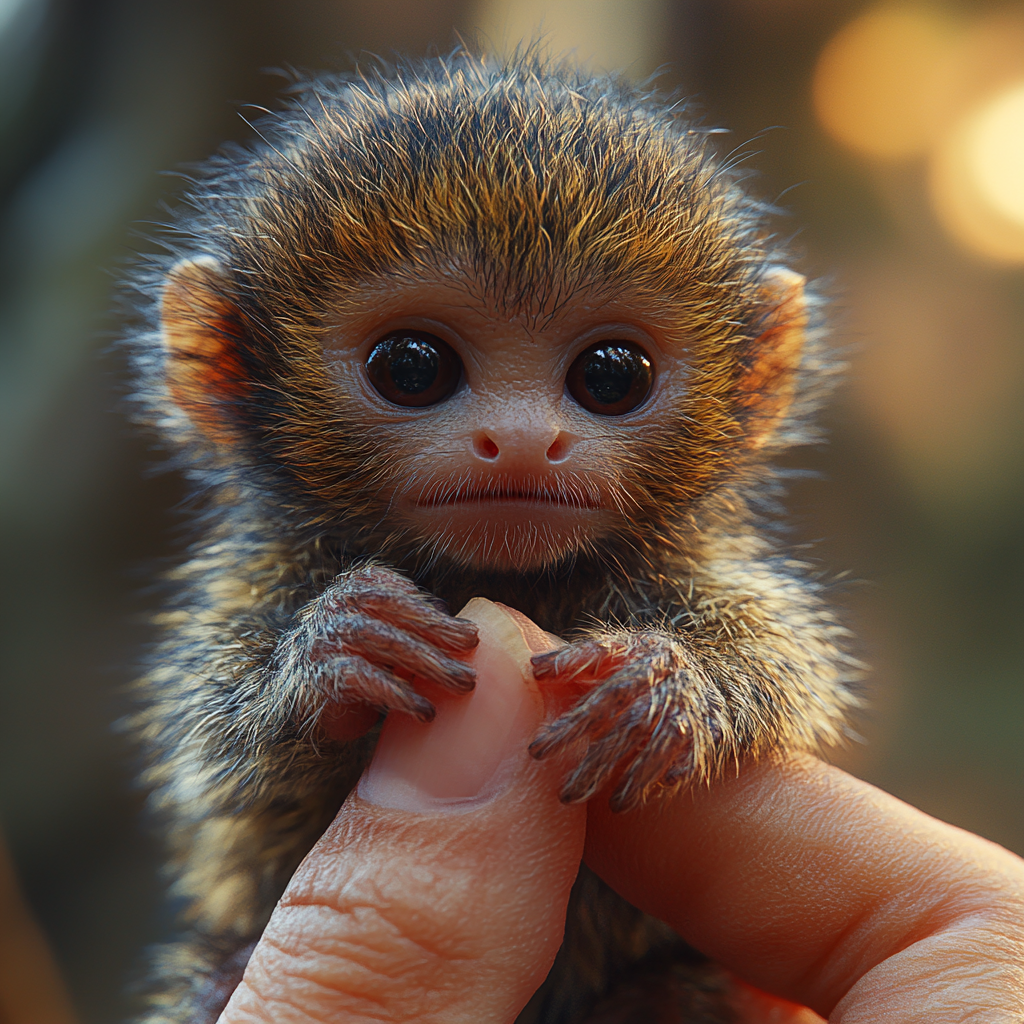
[413, 368]
[611, 377]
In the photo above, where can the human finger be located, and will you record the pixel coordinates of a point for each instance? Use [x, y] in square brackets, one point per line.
[439, 892]
[823, 889]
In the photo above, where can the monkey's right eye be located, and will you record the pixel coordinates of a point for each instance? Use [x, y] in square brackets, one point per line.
[413, 368]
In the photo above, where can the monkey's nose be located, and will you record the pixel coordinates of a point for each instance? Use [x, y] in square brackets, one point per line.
[522, 446]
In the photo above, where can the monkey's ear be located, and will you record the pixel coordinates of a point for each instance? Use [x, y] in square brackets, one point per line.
[767, 383]
[200, 330]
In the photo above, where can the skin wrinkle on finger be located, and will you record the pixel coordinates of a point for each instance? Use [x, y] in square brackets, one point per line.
[298, 1002]
[359, 892]
[824, 890]
[959, 975]
[434, 936]
[373, 940]
[321, 957]
[371, 971]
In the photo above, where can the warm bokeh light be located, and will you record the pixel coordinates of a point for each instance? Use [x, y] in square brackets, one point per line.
[897, 83]
[881, 84]
[977, 178]
[991, 58]
[606, 34]
[996, 153]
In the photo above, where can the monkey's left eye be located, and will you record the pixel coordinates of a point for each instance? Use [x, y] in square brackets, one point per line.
[611, 378]
[413, 368]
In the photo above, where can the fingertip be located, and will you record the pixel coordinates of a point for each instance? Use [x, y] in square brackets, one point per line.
[537, 640]
[476, 744]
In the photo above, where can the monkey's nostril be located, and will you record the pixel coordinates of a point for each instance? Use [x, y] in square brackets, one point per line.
[560, 448]
[485, 448]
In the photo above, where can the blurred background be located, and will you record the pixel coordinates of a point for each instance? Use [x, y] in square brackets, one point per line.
[893, 135]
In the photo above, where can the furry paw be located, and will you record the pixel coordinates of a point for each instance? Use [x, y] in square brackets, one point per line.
[371, 636]
[635, 724]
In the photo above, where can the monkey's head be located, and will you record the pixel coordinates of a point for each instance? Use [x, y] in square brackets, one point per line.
[493, 316]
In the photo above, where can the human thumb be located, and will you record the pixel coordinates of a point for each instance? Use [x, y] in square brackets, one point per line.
[439, 891]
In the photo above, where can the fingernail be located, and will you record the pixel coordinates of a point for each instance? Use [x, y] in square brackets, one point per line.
[471, 750]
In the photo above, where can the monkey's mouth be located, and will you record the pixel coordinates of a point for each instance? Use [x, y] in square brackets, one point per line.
[508, 522]
[569, 494]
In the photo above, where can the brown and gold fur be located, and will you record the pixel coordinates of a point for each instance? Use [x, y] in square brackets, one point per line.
[530, 183]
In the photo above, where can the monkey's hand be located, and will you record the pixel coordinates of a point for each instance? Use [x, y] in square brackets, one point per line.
[368, 639]
[637, 724]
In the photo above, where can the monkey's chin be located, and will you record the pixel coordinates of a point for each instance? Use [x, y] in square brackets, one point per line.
[513, 537]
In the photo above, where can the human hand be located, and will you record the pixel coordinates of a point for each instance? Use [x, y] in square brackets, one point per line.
[439, 892]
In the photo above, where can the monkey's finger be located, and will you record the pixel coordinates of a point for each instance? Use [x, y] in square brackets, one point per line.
[374, 589]
[400, 604]
[417, 614]
[585, 720]
[667, 751]
[604, 757]
[357, 681]
[597, 714]
[383, 644]
[433, 625]
[589, 658]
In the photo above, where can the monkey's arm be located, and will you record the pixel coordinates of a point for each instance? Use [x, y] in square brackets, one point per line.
[242, 770]
[238, 754]
[746, 661]
[238, 692]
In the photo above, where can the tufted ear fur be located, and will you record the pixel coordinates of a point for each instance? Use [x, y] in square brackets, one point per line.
[200, 329]
[767, 381]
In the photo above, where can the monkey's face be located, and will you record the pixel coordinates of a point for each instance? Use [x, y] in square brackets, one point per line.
[441, 420]
[513, 440]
